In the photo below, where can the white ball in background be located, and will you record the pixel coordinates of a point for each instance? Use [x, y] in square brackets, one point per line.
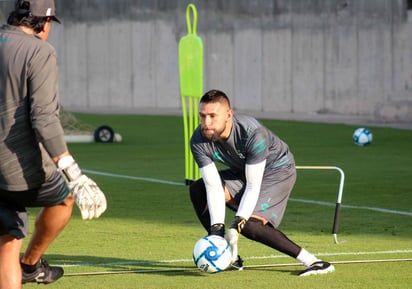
[362, 136]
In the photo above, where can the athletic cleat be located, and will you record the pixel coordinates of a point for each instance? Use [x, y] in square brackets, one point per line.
[44, 273]
[237, 265]
[317, 268]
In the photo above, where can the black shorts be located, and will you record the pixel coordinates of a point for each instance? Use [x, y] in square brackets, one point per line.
[13, 215]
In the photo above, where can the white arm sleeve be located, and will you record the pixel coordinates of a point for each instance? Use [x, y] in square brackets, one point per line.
[215, 194]
[254, 175]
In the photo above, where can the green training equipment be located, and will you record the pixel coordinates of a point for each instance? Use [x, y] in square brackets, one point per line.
[191, 87]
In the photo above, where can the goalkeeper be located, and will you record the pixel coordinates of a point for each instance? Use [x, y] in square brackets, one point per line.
[36, 168]
[256, 185]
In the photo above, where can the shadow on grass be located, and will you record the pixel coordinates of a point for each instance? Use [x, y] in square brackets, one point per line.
[76, 266]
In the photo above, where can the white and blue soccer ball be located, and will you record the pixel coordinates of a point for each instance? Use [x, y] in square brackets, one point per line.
[362, 136]
[212, 254]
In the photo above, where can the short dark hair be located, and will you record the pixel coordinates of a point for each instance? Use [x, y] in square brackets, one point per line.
[22, 16]
[215, 95]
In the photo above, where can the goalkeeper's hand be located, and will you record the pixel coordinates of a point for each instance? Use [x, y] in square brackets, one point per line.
[232, 235]
[89, 198]
[87, 195]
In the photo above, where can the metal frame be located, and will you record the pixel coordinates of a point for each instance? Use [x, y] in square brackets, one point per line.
[336, 218]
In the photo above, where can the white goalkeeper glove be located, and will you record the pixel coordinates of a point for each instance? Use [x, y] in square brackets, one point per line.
[87, 195]
[232, 235]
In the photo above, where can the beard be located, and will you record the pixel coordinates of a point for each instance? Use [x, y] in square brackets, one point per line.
[211, 135]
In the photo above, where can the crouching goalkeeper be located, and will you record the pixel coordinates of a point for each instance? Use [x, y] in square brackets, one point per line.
[260, 176]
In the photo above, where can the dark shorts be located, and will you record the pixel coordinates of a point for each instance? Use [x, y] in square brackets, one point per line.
[13, 215]
[274, 194]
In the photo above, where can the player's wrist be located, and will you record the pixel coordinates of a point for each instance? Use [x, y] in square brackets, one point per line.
[69, 168]
[238, 224]
[217, 229]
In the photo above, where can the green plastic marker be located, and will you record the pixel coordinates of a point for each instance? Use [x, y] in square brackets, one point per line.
[191, 87]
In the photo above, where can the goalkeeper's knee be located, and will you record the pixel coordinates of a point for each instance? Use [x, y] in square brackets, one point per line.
[253, 229]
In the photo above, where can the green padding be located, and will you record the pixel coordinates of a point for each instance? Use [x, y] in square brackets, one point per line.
[191, 58]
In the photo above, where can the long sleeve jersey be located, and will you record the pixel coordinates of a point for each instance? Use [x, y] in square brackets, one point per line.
[29, 110]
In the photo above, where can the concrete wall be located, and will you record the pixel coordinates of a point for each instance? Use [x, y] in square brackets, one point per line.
[310, 56]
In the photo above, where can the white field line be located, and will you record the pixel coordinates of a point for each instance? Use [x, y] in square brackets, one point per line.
[328, 204]
[151, 180]
[143, 262]
[186, 269]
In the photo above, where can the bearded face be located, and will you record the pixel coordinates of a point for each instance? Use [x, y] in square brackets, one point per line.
[215, 120]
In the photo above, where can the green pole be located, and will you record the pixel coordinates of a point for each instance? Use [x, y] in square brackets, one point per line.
[191, 87]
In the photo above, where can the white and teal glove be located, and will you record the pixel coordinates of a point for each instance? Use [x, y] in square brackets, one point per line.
[232, 235]
[87, 195]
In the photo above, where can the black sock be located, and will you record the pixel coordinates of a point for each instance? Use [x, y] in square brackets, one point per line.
[255, 230]
[28, 268]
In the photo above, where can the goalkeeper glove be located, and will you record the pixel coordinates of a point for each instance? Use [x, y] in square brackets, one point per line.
[87, 195]
[217, 229]
[232, 235]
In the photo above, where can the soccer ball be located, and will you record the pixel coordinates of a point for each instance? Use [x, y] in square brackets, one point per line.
[362, 136]
[212, 254]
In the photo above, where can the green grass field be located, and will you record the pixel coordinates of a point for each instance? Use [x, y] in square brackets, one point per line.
[150, 227]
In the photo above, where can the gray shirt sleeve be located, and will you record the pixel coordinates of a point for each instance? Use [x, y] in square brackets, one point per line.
[200, 149]
[44, 101]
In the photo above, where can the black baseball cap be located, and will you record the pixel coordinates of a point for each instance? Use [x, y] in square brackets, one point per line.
[41, 8]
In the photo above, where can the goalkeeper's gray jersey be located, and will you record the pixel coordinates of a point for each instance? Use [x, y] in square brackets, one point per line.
[249, 143]
[29, 109]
